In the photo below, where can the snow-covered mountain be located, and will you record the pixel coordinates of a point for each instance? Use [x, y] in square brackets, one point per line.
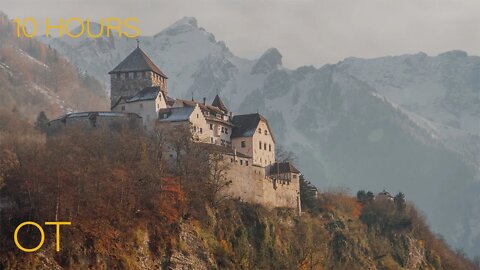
[408, 123]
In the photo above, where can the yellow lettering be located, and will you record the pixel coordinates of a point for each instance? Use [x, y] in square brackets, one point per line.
[89, 33]
[117, 27]
[67, 23]
[133, 27]
[42, 237]
[57, 224]
[19, 24]
[48, 27]
[34, 32]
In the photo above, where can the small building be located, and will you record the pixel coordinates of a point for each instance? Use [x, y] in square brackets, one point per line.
[384, 195]
[253, 136]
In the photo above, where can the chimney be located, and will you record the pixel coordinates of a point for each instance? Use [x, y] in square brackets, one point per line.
[204, 100]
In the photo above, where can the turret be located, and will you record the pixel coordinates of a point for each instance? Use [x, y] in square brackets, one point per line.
[133, 74]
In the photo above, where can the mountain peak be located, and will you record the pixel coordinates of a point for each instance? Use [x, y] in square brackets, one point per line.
[269, 61]
[454, 54]
[186, 24]
[192, 21]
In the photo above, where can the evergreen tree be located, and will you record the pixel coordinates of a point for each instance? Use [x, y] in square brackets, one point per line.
[370, 197]
[308, 194]
[42, 122]
[399, 200]
[361, 196]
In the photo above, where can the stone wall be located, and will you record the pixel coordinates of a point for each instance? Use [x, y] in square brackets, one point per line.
[250, 184]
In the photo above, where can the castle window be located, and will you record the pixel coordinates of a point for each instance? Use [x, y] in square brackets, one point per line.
[266, 132]
[265, 146]
[226, 130]
[231, 160]
[270, 147]
[246, 162]
[260, 145]
[197, 115]
[223, 130]
[211, 126]
[122, 76]
[139, 75]
[211, 140]
[260, 130]
[243, 144]
[123, 108]
[241, 162]
[130, 75]
[145, 74]
[201, 130]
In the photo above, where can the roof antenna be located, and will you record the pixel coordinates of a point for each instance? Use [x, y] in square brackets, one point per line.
[138, 43]
[218, 92]
[192, 95]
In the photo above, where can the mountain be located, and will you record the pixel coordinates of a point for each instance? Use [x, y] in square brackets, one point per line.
[34, 78]
[407, 123]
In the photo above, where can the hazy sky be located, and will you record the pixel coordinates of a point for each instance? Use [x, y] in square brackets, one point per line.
[305, 31]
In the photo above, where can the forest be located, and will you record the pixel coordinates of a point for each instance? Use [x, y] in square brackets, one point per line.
[131, 209]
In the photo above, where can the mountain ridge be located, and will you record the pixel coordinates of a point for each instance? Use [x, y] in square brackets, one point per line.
[380, 107]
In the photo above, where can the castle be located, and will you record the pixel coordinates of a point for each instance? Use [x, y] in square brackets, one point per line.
[139, 93]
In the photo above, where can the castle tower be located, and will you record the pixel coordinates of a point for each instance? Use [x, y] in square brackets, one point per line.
[133, 74]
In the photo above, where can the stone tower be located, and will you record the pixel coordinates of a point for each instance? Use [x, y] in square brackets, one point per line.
[133, 74]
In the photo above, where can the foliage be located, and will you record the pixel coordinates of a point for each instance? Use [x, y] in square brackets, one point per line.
[131, 208]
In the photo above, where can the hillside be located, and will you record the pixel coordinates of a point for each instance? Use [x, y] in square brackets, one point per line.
[134, 212]
[34, 78]
[406, 123]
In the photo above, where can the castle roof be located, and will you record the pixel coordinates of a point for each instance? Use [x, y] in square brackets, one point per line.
[96, 113]
[147, 93]
[283, 167]
[175, 114]
[137, 61]
[217, 102]
[245, 125]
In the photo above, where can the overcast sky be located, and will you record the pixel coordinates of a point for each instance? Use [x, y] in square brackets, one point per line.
[305, 31]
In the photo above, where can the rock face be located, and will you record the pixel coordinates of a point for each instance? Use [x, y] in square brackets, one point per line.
[407, 123]
[269, 61]
[192, 253]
